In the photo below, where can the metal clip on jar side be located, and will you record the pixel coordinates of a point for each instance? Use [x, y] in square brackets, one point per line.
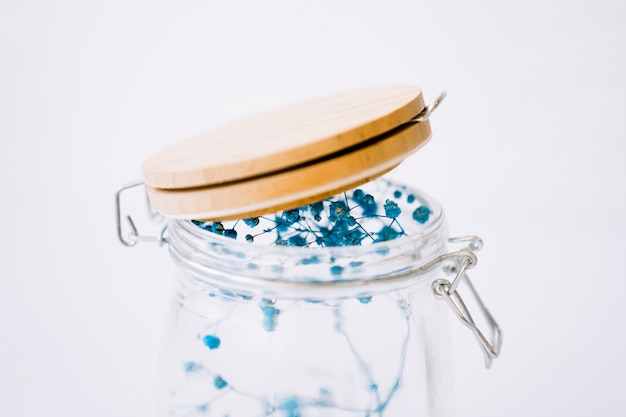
[133, 236]
[462, 260]
[448, 291]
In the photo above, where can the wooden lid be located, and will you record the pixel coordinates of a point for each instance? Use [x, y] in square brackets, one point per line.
[287, 157]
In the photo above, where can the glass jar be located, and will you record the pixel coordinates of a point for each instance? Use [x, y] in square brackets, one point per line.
[298, 331]
[333, 315]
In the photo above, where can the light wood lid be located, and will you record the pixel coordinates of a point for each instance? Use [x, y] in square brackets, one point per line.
[282, 138]
[288, 157]
[292, 188]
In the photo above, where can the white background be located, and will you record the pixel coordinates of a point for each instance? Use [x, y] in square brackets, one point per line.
[527, 152]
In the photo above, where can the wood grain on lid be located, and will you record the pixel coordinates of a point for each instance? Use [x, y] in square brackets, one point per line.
[295, 187]
[277, 140]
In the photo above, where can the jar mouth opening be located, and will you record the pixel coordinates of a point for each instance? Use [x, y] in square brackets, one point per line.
[229, 262]
[435, 223]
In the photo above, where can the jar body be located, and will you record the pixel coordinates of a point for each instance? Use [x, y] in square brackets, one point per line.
[290, 338]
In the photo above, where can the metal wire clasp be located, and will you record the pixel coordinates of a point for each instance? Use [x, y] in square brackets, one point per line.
[133, 235]
[428, 110]
[448, 291]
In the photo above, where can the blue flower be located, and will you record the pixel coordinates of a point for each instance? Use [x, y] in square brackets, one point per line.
[391, 209]
[336, 270]
[369, 205]
[219, 382]
[290, 406]
[231, 233]
[316, 210]
[270, 314]
[312, 260]
[199, 223]
[338, 210]
[297, 240]
[191, 367]
[291, 216]
[212, 342]
[217, 227]
[252, 222]
[281, 224]
[421, 214]
[387, 233]
[358, 195]
[338, 235]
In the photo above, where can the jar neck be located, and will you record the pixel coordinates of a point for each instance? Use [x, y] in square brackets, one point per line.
[213, 259]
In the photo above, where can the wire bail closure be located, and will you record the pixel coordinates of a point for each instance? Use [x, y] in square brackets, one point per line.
[448, 291]
[424, 115]
[133, 236]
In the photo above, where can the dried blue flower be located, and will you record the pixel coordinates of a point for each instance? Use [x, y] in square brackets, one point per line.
[291, 216]
[311, 260]
[212, 342]
[338, 210]
[219, 382]
[339, 235]
[388, 233]
[365, 300]
[336, 270]
[191, 366]
[290, 406]
[270, 314]
[252, 222]
[355, 237]
[421, 214]
[369, 205]
[282, 225]
[316, 210]
[391, 209]
[217, 227]
[297, 240]
[231, 233]
[358, 195]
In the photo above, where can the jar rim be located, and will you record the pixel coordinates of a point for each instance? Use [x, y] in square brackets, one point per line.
[212, 257]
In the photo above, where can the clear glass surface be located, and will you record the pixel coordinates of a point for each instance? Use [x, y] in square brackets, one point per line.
[262, 330]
